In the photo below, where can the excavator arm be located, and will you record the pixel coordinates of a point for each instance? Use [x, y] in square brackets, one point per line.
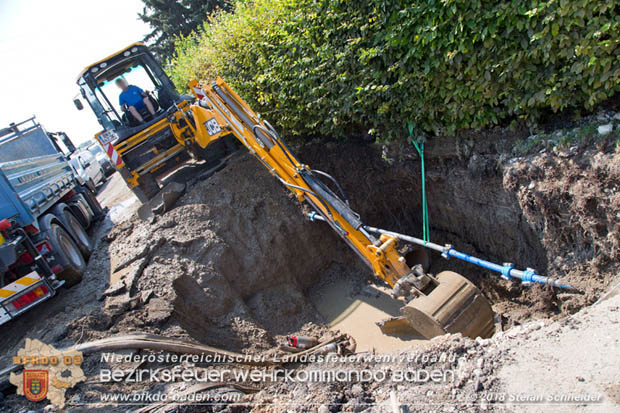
[446, 303]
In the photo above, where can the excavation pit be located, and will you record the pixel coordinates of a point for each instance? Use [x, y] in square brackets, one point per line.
[236, 265]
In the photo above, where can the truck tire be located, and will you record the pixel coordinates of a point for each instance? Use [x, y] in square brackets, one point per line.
[67, 255]
[93, 202]
[149, 187]
[91, 185]
[75, 229]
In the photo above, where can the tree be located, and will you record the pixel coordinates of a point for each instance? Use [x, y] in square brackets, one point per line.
[169, 18]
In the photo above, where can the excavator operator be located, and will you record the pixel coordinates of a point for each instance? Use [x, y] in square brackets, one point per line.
[134, 99]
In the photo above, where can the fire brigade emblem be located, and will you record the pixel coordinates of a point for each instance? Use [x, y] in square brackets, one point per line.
[47, 372]
[35, 384]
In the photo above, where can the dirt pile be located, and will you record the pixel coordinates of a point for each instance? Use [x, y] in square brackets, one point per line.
[455, 374]
[571, 201]
[231, 264]
[228, 266]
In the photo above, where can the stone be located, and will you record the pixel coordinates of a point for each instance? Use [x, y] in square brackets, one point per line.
[478, 385]
[357, 390]
[323, 409]
[146, 295]
[605, 129]
[115, 289]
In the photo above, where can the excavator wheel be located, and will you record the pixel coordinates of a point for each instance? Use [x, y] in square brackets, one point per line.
[455, 305]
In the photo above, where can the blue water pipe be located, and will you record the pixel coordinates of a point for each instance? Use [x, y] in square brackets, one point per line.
[507, 270]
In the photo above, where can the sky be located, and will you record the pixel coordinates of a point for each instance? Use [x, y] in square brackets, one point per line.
[45, 44]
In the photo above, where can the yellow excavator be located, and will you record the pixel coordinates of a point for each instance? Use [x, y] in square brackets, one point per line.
[435, 304]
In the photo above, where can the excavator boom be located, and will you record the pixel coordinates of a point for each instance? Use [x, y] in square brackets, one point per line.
[445, 303]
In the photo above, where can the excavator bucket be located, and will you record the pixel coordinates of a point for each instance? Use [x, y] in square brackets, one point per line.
[454, 305]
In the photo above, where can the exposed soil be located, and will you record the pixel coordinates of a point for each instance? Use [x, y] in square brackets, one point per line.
[554, 211]
[236, 265]
[227, 268]
[531, 368]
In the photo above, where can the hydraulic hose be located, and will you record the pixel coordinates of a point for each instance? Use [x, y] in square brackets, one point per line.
[336, 183]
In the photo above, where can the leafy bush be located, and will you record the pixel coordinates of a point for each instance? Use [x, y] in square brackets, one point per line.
[336, 67]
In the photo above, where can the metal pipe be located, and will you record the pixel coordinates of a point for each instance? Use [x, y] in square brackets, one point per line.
[507, 270]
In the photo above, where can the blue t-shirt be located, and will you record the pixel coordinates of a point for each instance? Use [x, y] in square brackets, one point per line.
[132, 97]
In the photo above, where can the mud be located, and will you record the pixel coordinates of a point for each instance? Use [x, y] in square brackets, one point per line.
[352, 307]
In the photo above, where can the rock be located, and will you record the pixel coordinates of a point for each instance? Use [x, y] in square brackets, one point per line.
[357, 390]
[146, 295]
[117, 304]
[115, 289]
[617, 116]
[482, 341]
[478, 385]
[323, 409]
[605, 129]
[159, 310]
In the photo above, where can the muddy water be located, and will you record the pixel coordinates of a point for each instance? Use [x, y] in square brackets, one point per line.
[354, 309]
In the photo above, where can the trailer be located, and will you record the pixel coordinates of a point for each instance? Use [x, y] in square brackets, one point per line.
[44, 215]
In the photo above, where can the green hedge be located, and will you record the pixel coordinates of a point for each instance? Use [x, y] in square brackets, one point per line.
[321, 67]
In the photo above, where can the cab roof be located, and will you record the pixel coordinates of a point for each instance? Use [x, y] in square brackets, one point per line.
[87, 68]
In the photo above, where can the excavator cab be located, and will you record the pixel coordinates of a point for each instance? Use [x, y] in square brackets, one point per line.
[137, 66]
[143, 149]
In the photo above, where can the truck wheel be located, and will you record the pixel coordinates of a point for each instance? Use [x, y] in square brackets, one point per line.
[75, 229]
[67, 254]
[81, 237]
[94, 204]
[91, 185]
[149, 187]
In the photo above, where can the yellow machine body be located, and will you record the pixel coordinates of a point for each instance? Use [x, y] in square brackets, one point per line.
[141, 152]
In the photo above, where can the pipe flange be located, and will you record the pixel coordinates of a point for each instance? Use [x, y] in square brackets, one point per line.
[506, 268]
[446, 251]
